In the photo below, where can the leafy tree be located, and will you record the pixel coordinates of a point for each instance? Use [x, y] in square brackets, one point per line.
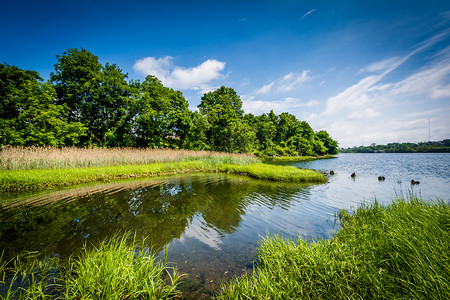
[223, 110]
[328, 142]
[162, 117]
[34, 119]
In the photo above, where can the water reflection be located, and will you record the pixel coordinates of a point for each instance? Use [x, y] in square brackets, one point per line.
[206, 208]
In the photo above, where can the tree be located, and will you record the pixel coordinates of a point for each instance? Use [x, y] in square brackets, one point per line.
[328, 142]
[33, 119]
[162, 116]
[223, 110]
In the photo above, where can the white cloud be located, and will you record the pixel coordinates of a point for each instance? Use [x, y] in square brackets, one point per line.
[286, 83]
[290, 105]
[266, 88]
[375, 111]
[178, 77]
[308, 13]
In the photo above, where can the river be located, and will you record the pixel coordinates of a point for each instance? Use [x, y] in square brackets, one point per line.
[212, 222]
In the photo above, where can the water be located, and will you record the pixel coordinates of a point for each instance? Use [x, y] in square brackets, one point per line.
[211, 222]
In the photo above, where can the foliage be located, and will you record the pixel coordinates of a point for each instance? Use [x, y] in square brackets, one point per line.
[395, 252]
[424, 147]
[119, 268]
[29, 116]
[86, 103]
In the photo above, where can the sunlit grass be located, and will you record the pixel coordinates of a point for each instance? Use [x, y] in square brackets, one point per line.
[119, 268]
[399, 251]
[27, 158]
[39, 179]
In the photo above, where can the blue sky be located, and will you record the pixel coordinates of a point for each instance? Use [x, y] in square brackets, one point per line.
[365, 71]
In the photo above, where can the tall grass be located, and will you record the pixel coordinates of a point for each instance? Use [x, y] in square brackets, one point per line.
[397, 252]
[27, 158]
[27, 180]
[120, 268]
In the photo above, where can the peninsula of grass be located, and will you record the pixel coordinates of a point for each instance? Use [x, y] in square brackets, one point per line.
[41, 179]
[282, 159]
[401, 251]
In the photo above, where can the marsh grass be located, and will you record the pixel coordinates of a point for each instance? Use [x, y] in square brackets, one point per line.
[119, 268]
[27, 180]
[28, 158]
[398, 251]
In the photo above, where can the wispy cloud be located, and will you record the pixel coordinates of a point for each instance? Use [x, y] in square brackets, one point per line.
[376, 111]
[178, 77]
[286, 83]
[290, 105]
[308, 13]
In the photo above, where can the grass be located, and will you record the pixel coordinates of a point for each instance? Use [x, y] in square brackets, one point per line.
[120, 268]
[28, 158]
[40, 179]
[397, 252]
[295, 158]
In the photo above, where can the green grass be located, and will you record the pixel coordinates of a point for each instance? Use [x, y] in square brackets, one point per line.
[397, 252]
[119, 268]
[40, 179]
[295, 158]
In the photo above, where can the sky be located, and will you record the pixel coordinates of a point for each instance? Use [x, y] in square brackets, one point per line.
[364, 71]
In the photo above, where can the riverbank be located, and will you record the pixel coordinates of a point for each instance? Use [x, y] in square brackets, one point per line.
[42, 179]
[119, 268]
[393, 252]
[282, 159]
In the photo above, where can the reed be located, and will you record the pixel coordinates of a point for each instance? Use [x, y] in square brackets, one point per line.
[119, 268]
[40, 179]
[28, 158]
[397, 252]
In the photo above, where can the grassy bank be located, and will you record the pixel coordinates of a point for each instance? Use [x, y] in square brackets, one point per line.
[27, 180]
[119, 268]
[399, 251]
[21, 177]
[294, 158]
[29, 158]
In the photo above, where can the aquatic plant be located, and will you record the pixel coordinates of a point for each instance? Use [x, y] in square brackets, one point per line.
[398, 251]
[118, 268]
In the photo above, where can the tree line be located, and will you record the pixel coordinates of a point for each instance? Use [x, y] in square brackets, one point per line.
[85, 103]
[423, 147]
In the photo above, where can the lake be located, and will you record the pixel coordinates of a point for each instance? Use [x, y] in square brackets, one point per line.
[212, 222]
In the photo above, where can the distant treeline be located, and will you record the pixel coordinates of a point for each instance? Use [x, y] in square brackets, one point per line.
[441, 146]
[85, 103]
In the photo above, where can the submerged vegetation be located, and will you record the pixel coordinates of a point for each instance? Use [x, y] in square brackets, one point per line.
[398, 251]
[119, 268]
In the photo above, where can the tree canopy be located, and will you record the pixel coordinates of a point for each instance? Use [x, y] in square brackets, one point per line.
[86, 103]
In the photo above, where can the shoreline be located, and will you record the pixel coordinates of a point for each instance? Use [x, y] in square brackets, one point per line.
[45, 179]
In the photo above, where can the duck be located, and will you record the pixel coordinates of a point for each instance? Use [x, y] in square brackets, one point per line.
[381, 178]
[353, 175]
[414, 181]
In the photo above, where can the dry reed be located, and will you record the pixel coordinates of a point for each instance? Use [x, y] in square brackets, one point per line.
[27, 158]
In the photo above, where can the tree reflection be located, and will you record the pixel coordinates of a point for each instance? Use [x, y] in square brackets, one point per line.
[157, 210]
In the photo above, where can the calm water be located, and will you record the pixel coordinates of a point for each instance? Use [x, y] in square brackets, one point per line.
[212, 223]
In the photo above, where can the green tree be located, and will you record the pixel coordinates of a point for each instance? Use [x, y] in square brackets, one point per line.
[33, 119]
[162, 115]
[328, 142]
[223, 110]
